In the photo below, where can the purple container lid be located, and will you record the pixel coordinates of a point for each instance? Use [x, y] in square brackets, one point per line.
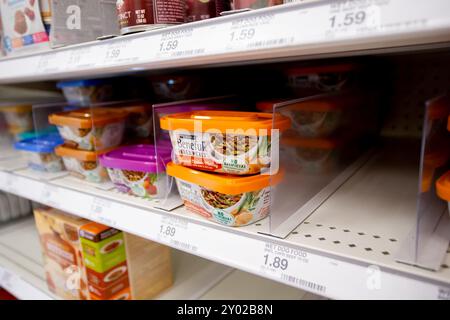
[141, 157]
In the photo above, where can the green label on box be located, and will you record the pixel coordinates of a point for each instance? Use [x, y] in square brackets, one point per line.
[102, 256]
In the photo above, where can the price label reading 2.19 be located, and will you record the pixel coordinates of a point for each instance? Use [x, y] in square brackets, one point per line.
[348, 19]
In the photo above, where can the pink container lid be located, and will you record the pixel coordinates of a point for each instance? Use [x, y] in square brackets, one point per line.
[141, 157]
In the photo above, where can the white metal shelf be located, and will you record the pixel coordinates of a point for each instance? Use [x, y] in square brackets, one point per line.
[22, 274]
[293, 31]
[345, 249]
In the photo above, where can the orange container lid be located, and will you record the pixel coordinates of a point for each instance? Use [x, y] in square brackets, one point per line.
[427, 177]
[332, 68]
[81, 155]
[267, 105]
[224, 183]
[22, 108]
[437, 158]
[224, 121]
[316, 143]
[443, 187]
[86, 117]
[136, 108]
[439, 108]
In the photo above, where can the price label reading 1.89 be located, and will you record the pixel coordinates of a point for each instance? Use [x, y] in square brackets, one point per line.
[275, 262]
[167, 230]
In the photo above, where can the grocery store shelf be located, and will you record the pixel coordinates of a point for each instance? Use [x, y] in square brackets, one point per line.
[345, 249]
[21, 273]
[294, 31]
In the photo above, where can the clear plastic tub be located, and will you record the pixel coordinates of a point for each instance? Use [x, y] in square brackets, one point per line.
[223, 141]
[317, 155]
[443, 188]
[228, 200]
[320, 117]
[86, 92]
[310, 80]
[83, 164]
[91, 129]
[18, 118]
[40, 152]
[139, 122]
[138, 170]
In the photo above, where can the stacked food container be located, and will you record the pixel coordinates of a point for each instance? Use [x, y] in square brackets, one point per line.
[221, 161]
[443, 184]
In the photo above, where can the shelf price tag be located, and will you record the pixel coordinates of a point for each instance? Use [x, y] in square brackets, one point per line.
[258, 32]
[119, 52]
[10, 184]
[8, 279]
[50, 196]
[284, 263]
[180, 43]
[177, 233]
[99, 211]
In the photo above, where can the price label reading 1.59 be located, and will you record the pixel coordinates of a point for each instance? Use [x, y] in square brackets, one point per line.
[169, 45]
[243, 34]
[348, 19]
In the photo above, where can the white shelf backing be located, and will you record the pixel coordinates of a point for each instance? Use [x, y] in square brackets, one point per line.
[274, 33]
[22, 274]
[345, 249]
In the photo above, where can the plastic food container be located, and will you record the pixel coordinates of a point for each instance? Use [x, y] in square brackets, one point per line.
[320, 117]
[223, 141]
[226, 199]
[138, 170]
[40, 152]
[86, 92]
[83, 164]
[255, 4]
[316, 155]
[305, 81]
[18, 118]
[443, 188]
[139, 121]
[91, 129]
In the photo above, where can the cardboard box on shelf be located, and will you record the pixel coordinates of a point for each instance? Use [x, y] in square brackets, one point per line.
[122, 266]
[61, 248]
[88, 260]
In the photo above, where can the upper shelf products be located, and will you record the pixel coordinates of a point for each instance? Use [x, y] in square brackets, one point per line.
[91, 129]
[223, 141]
[40, 152]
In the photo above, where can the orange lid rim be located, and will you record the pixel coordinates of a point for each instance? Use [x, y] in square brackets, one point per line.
[223, 183]
[443, 187]
[82, 155]
[248, 123]
[65, 118]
